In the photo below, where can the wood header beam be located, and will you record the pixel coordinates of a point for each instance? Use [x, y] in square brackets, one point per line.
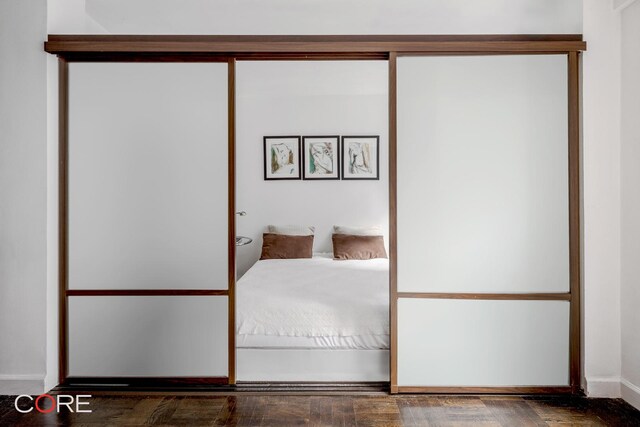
[330, 44]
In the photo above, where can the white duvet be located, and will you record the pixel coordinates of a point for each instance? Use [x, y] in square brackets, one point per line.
[315, 297]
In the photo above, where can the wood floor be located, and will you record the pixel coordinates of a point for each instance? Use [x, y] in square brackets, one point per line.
[345, 410]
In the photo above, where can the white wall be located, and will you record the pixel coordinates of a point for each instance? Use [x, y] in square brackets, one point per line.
[23, 196]
[630, 186]
[316, 16]
[307, 98]
[601, 199]
[611, 198]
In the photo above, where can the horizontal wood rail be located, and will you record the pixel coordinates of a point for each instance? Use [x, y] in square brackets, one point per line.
[483, 296]
[329, 44]
[220, 57]
[145, 292]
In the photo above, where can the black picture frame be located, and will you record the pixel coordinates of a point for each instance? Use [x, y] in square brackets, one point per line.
[337, 159]
[271, 176]
[370, 139]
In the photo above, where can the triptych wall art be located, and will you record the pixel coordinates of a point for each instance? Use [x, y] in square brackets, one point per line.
[321, 157]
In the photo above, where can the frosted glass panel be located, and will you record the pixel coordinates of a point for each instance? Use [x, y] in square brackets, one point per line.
[482, 343]
[148, 175]
[148, 336]
[482, 174]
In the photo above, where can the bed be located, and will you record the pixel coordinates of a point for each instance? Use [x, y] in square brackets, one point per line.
[313, 319]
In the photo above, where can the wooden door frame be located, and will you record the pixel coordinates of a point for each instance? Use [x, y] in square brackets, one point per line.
[229, 49]
[574, 218]
[63, 246]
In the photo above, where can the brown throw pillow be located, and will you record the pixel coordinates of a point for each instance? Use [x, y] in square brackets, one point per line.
[347, 246]
[282, 246]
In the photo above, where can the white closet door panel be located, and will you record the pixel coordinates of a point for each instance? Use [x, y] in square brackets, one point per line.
[155, 336]
[482, 174]
[449, 342]
[148, 175]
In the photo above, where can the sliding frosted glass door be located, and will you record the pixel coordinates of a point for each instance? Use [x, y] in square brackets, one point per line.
[148, 266]
[483, 274]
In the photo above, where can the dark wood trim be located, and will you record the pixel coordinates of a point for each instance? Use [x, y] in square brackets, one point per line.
[574, 219]
[306, 48]
[221, 57]
[393, 224]
[487, 390]
[483, 296]
[231, 84]
[310, 38]
[145, 57]
[311, 56]
[145, 292]
[335, 44]
[63, 215]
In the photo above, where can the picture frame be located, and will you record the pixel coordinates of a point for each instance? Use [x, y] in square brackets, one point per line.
[361, 157]
[282, 158]
[320, 157]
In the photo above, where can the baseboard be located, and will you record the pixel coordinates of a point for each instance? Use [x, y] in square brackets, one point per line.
[50, 382]
[630, 393]
[21, 384]
[603, 387]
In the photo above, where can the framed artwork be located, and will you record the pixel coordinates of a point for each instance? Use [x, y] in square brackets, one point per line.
[281, 157]
[321, 157]
[360, 157]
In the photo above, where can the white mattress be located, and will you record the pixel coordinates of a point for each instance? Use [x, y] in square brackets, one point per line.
[315, 303]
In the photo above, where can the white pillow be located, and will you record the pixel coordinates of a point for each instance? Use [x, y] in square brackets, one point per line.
[374, 230]
[292, 230]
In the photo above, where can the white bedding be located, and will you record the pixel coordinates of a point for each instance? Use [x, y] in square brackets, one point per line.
[332, 304]
[283, 342]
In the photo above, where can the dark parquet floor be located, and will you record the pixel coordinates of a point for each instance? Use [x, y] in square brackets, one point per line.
[333, 410]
